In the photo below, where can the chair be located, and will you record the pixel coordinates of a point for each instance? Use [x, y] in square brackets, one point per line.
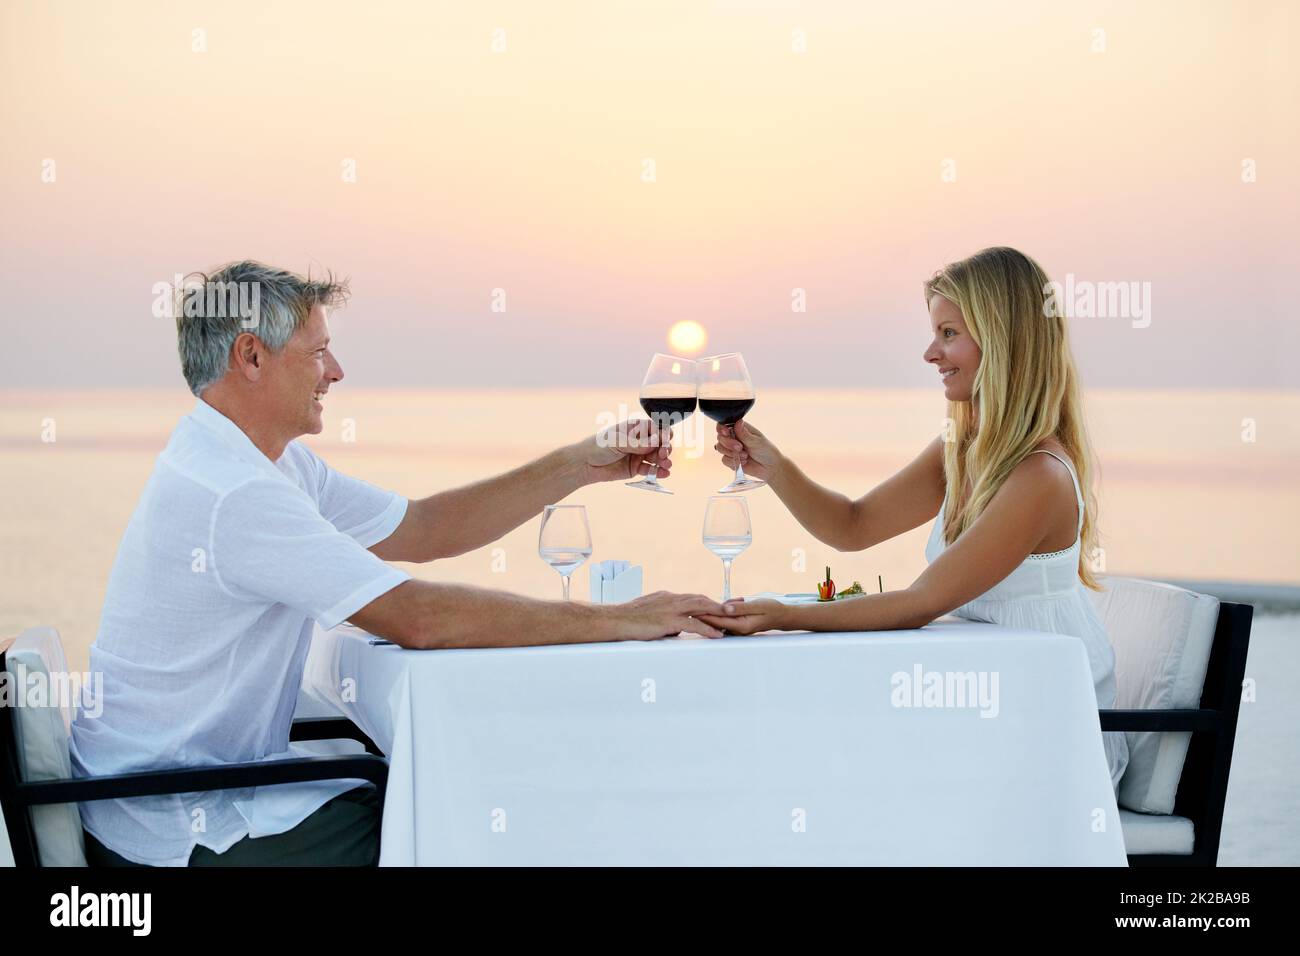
[39, 795]
[1180, 664]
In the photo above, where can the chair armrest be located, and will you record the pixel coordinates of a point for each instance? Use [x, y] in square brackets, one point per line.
[330, 728]
[217, 777]
[1169, 720]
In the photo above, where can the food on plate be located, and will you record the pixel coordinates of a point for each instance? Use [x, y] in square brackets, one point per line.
[826, 589]
[852, 591]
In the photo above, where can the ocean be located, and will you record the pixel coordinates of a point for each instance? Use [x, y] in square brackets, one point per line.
[1198, 485]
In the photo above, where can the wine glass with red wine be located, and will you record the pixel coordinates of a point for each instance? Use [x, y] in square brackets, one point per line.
[668, 397]
[726, 396]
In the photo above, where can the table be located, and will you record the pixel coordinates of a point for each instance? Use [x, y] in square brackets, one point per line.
[768, 750]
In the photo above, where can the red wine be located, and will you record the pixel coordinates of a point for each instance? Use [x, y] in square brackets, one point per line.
[726, 411]
[668, 410]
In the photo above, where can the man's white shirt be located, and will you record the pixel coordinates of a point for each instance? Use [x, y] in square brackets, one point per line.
[224, 566]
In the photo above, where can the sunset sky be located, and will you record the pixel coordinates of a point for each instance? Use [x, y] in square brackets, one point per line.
[794, 147]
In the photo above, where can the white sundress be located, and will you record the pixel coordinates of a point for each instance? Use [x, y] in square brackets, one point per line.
[1044, 593]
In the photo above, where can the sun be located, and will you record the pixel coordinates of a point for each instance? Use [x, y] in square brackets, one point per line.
[687, 338]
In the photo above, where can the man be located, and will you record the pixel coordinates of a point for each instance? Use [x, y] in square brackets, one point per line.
[243, 537]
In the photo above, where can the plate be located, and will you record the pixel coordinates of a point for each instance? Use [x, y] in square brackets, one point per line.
[798, 598]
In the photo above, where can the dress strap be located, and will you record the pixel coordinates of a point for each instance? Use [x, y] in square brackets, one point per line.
[1078, 494]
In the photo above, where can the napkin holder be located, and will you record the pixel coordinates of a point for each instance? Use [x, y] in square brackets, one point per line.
[614, 582]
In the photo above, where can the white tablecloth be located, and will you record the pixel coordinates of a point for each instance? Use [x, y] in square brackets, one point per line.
[790, 749]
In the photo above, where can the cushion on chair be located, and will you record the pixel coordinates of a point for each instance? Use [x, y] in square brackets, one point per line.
[311, 706]
[41, 724]
[1156, 833]
[1162, 637]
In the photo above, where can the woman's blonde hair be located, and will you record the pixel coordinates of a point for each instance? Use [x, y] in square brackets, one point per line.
[1026, 387]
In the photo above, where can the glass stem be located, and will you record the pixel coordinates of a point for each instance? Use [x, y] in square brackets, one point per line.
[565, 579]
[726, 579]
[653, 476]
[740, 469]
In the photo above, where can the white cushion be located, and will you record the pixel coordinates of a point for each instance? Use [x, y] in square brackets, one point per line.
[1162, 637]
[41, 720]
[310, 705]
[1156, 833]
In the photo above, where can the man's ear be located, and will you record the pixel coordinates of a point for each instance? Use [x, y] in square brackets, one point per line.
[247, 357]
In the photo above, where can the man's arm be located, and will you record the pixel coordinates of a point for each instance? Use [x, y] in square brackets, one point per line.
[268, 542]
[462, 519]
[420, 614]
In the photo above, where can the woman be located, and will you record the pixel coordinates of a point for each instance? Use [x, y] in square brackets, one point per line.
[1007, 480]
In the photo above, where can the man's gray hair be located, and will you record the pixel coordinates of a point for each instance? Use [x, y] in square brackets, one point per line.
[212, 310]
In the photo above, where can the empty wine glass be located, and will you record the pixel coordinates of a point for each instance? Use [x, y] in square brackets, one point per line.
[726, 396]
[565, 539]
[668, 397]
[727, 532]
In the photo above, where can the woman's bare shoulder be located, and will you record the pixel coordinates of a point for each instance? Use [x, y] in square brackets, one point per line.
[1051, 444]
[1043, 472]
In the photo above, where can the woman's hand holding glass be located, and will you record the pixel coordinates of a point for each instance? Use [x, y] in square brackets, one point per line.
[749, 448]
